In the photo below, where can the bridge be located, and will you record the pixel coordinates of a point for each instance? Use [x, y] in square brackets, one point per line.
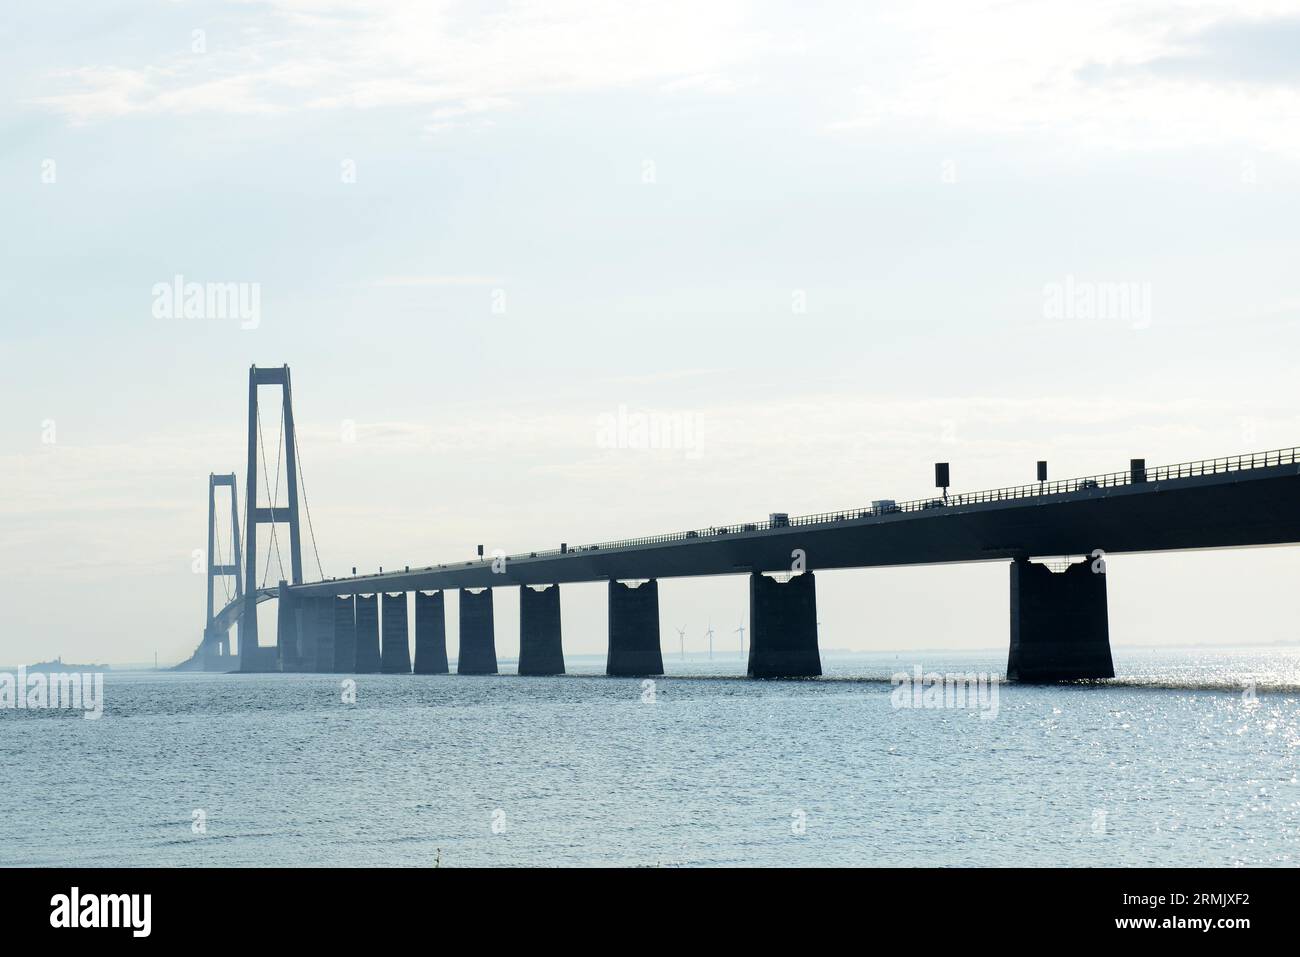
[1059, 625]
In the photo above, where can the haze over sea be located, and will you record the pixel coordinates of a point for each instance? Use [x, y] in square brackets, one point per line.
[1171, 765]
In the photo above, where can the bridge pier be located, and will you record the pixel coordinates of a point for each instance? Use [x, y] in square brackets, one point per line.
[345, 635]
[783, 627]
[478, 650]
[288, 638]
[634, 630]
[308, 635]
[541, 651]
[253, 658]
[316, 624]
[367, 632]
[430, 634]
[227, 653]
[215, 655]
[396, 653]
[1059, 625]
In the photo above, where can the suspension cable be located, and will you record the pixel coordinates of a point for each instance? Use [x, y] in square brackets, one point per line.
[302, 480]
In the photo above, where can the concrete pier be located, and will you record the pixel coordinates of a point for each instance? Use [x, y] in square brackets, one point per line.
[253, 658]
[315, 635]
[540, 648]
[288, 649]
[1059, 625]
[783, 627]
[430, 634]
[345, 636]
[210, 657]
[306, 659]
[215, 653]
[634, 630]
[478, 650]
[367, 612]
[396, 652]
[324, 615]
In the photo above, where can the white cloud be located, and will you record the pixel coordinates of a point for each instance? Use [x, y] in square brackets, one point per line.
[439, 57]
[1075, 73]
[1111, 74]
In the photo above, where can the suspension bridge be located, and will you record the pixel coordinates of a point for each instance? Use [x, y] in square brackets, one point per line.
[1059, 624]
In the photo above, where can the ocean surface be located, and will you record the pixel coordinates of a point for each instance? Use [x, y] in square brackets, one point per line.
[1176, 764]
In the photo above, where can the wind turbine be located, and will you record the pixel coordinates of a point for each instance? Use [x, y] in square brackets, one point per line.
[710, 634]
[741, 630]
[681, 633]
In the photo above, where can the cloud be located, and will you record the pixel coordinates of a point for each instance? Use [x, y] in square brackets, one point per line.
[1104, 75]
[1257, 50]
[445, 59]
[1109, 74]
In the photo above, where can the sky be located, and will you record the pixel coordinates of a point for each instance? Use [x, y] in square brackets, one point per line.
[824, 244]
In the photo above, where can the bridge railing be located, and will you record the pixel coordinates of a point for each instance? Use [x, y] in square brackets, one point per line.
[1159, 473]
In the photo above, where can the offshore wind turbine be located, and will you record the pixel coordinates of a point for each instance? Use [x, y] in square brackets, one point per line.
[741, 630]
[681, 634]
[710, 634]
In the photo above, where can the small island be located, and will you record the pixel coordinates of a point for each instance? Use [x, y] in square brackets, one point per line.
[58, 664]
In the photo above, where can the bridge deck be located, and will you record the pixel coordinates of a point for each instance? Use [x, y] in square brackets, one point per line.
[1240, 501]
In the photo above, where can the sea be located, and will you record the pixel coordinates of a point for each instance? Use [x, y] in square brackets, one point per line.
[1190, 759]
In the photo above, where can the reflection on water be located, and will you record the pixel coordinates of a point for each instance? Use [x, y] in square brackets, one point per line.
[1176, 764]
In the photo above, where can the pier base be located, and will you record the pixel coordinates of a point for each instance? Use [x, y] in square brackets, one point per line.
[783, 627]
[1059, 626]
[396, 656]
[478, 650]
[324, 635]
[315, 635]
[209, 648]
[213, 653]
[288, 640]
[634, 630]
[253, 658]
[540, 648]
[345, 636]
[367, 618]
[225, 658]
[430, 634]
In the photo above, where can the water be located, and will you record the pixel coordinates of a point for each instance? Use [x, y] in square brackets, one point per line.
[1173, 767]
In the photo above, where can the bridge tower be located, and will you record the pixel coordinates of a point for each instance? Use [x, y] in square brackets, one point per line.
[251, 659]
[215, 644]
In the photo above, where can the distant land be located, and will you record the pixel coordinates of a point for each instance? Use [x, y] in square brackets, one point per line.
[58, 664]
